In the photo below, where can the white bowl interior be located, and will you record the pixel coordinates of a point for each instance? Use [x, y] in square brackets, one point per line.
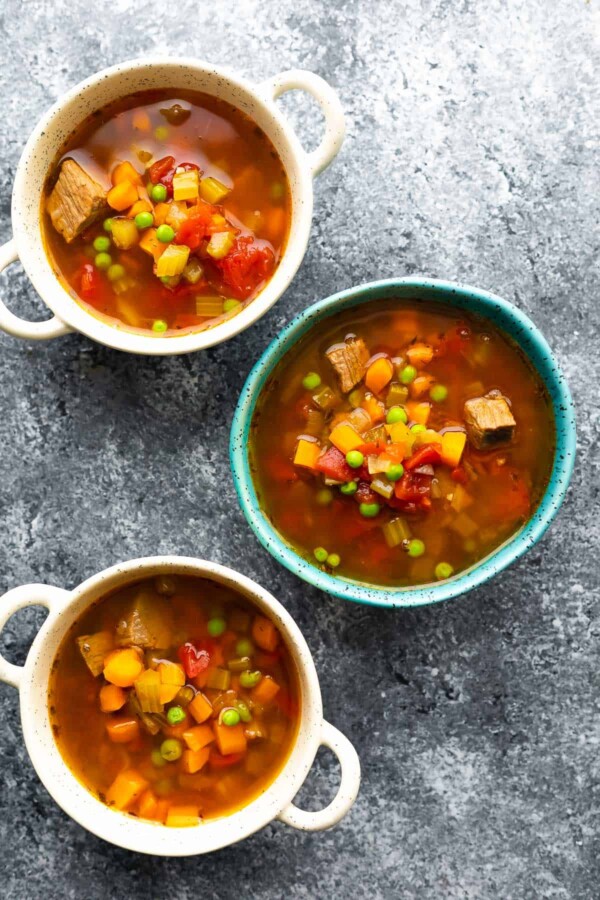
[119, 828]
[49, 136]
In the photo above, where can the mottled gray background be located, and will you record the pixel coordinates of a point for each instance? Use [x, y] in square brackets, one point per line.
[471, 154]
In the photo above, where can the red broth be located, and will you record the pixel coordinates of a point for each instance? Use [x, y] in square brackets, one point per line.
[383, 482]
[174, 700]
[139, 155]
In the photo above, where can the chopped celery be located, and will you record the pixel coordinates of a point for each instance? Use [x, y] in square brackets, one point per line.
[376, 465]
[185, 185]
[219, 680]
[220, 244]
[356, 397]
[397, 395]
[212, 190]
[147, 688]
[173, 261]
[185, 695]
[209, 306]
[376, 434]
[124, 233]
[325, 398]
[93, 648]
[395, 532]
[314, 422]
[383, 487]
[360, 420]
[193, 271]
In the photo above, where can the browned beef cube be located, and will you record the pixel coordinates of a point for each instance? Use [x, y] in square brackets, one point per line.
[148, 622]
[489, 421]
[349, 361]
[76, 200]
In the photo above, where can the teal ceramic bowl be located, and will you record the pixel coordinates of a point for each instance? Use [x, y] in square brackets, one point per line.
[506, 317]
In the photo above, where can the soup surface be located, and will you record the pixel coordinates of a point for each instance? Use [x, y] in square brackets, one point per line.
[174, 700]
[166, 211]
[402, 442]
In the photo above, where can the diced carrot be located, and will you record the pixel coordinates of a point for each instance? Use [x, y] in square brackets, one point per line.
[420, 354]
[418, 412]
[230, 739]
[379, 374]
[171, 673]
[141, 120]
[200, 708]
[264, 633]
[275, 224]
[150, 244]
[398, 432]
[176, 731]
[161, 211]
[112, 698]
[161, 811]
[138, 207]
[265, 690]
[122, 729]
[147, 804]
[217, 761]
[193, 760]
[122, 667]
[374, 408]
[453, 444]
[421, 385]
[426, 437]
[124, 172]
[125, 789]
[346, 438]
[198, 737]
[167, 692]
[122, 195]
[307, 453]
[182, 817]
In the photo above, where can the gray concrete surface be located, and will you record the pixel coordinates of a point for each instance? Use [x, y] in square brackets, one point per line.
[472, 153]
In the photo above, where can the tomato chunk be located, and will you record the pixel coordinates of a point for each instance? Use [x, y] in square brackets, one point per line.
[333, 465]
[160, 168]
[193, 659]
[246, 266]
[89, 281]
[428, 454]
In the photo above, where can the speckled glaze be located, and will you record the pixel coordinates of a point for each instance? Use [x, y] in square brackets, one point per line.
[257, 101]
[506, 317]
[147, 837]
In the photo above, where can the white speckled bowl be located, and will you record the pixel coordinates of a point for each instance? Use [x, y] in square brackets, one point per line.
[256, 100]
[149, 837]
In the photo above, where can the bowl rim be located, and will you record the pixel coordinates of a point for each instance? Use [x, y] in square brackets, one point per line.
[520, 328]
[39, 266]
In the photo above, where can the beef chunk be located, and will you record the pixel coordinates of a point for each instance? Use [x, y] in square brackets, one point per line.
[94, 648]
[76, 200]
[489, 420]
[349, 361]
[148, 622]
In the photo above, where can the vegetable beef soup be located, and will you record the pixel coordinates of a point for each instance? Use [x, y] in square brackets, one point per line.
[166, 212]
[174, 700]
[401, 443]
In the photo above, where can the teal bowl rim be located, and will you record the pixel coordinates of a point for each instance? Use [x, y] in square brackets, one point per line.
[505, 315]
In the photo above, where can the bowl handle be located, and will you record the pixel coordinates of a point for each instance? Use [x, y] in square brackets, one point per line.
[18, 598]
[34, 331]
[347, 791]
[328, 100]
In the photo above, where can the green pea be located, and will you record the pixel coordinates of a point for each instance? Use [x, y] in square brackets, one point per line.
[395, 472]
[171, 749]
[244, 711]
[157, 759]
[115, 272]
[103, 261]
[311, 381]
[324, 497]
[144, 220]
[230, 305]
[107, 225]
[396, 414]
[244, 647]
[159, 326]
[165, 234]
[438, 393]
[355, 459]
[216, 626]
[349, 488]
[418, 428]
[250, 679]
[443, 570]
[161, 132]
[408, 374]
[101, 243]
[320, 554]
[158, 193]
[416, 547]
[175, 715]
[230, 717]
[369, 510]
[333, 560]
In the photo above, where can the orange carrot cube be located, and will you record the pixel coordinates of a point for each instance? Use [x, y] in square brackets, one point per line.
[379, 374]
[230, 738]
[198, 737]
[122, 729]
[264, 633]
[346, 438]
[265, 690]
[307, 453]
[122, 195]
[193, 760]
[200, 708]
[126, 789]
[112, 698]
